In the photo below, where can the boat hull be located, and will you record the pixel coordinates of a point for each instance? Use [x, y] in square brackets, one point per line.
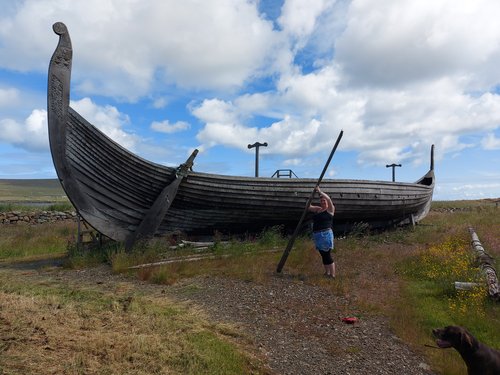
[115, 190]
[237, 204]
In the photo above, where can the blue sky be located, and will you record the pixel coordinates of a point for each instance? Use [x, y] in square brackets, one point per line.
[162, 77]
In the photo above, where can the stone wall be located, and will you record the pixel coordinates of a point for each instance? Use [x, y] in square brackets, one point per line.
[36, 217]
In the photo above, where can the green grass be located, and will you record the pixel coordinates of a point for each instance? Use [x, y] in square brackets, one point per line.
[62, 206]
[247, 260]
[207, 352]
[19, 242]
[56, 293]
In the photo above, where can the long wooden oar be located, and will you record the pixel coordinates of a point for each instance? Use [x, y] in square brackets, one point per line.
[296, 232]
[154, 216]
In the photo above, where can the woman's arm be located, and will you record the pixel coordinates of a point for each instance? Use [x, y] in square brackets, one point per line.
[331, 208]
[314, 208]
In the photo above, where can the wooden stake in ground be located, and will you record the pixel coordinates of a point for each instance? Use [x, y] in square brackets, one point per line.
[296, 232]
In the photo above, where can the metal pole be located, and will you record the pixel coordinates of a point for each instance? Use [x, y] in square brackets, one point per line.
[257, 161]
[297, 228]
[257, 145]
[393, 170]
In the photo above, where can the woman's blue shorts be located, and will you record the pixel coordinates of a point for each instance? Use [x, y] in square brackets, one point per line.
[323, 240]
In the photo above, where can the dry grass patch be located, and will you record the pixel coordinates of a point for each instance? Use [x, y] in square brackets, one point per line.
[49, 328]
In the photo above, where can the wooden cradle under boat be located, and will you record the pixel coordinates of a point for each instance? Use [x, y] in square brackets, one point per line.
[126, 197]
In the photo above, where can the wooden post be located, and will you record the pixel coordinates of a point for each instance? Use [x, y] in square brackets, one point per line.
[486, 264]
[299, 224]
[79, 234]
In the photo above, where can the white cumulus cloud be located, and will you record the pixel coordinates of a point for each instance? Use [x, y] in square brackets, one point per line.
[397, 42]
[122, 47]
[166, 127]
[30, 135]
[107, 119]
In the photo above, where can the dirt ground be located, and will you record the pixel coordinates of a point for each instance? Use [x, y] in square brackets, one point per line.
[295, 327]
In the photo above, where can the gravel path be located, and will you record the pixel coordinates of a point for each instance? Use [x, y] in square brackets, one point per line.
[307, 337]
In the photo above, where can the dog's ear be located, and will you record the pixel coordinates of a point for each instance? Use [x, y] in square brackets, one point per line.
[467, 340]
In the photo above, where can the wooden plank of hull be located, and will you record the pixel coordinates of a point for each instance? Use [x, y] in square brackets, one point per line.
[113, 189]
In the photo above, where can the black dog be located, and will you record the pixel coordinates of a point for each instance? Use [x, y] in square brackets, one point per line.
[479, 358]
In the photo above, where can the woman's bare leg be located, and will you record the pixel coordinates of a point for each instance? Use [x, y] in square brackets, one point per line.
[331, 269]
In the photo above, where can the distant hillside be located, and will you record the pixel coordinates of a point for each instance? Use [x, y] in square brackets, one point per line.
[31, 190]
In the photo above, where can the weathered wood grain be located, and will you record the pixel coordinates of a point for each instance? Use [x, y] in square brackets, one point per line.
[486, 265]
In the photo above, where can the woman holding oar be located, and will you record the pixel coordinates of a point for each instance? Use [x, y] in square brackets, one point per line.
[297, 228]
[322, 230]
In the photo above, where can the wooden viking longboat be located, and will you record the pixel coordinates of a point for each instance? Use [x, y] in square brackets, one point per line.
[125, 197]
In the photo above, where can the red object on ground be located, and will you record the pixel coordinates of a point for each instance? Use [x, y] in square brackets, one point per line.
[350, 320]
